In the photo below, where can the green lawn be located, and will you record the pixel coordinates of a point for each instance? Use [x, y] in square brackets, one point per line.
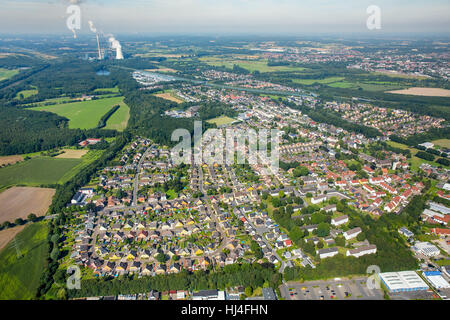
[20, 276]
[6, 73]
[85, 114]
[221, 120]
[37, 171]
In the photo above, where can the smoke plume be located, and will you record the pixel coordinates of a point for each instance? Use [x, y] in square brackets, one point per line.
[115, 44]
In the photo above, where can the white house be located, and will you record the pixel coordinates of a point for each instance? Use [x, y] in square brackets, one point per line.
[339, 220]
[361, 251]
[353, 233]
[318, 199]
[326, 253]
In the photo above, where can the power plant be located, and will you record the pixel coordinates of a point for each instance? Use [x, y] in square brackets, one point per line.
[109, 46]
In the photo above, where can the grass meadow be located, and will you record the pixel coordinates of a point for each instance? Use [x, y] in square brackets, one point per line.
[20, 275]
[85, 114]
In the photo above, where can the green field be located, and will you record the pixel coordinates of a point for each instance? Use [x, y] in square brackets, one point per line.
[6, 73]
[26, 93]
[84, 114]
[223, 120]
[397, 75]
[321, 81]
[20, 276]
[115, 90]
[250, 65]
[37, 171]
[119, 120]
[367, 86]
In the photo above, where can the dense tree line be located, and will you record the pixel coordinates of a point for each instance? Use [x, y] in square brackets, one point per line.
[247, 275]
[425, 155]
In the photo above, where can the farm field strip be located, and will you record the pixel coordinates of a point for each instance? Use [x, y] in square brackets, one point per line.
[10, 159]
[72, 154]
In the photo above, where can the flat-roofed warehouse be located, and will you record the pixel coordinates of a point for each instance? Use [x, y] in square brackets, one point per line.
[403, 281]
[436, 279]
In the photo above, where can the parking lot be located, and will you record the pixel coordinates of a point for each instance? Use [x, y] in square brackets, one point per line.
[354, 289]
[416, 295]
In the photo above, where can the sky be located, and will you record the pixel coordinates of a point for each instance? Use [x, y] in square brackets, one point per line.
[226, 16]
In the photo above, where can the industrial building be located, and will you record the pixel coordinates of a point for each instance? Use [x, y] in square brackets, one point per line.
[404, 281]
[436, 279]
[406, 232]
[427, 249]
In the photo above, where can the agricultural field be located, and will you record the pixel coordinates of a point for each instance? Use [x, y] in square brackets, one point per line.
[6, 73]
[250, 65]
[428, 92]
[72, 154]
[84, 114]
[169, 96]
[38, 171]
[164, 70]
[343, 83]
[20, 274]
[367, 86]
[19, 202]
[399, 75]
[10, 160]
[443, 143]
[327, 80]
[223, 120]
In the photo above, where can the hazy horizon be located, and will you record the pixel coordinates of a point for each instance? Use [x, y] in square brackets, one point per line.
[226, 17]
